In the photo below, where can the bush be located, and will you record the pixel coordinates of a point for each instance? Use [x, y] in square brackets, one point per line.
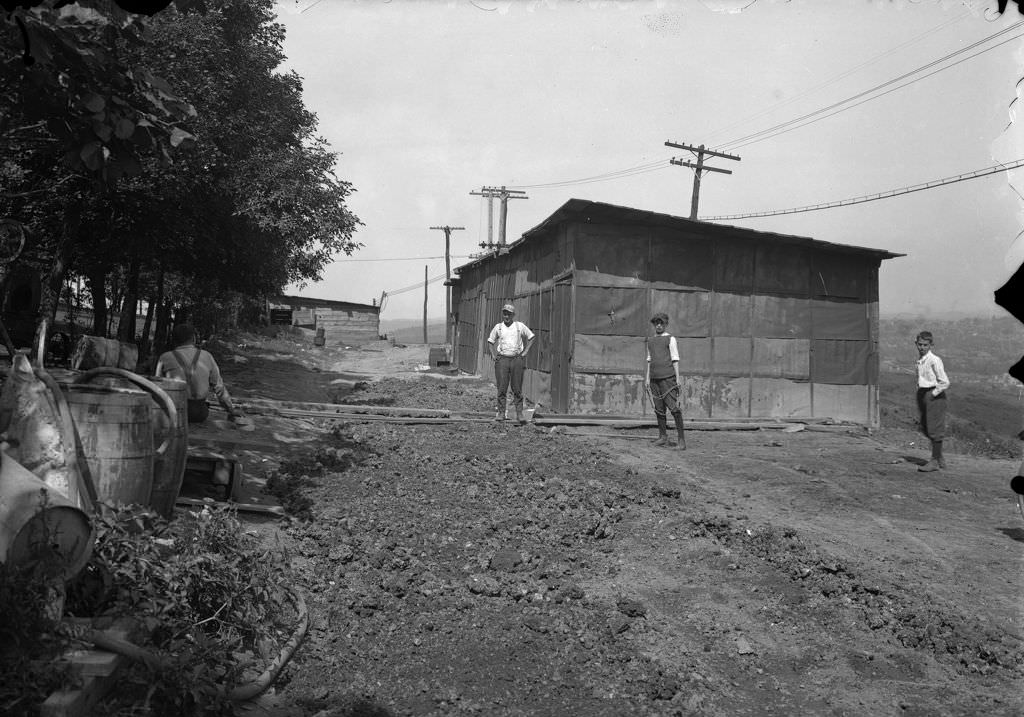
[29, 643]
[213, 601]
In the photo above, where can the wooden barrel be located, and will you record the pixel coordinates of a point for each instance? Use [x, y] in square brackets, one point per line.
[39, 525]
[169, 467]
[169, 419]
[116, 436]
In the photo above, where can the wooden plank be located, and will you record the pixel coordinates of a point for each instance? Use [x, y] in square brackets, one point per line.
[93, 663]
[568, 417]
[344, 408]
[246, 507]
[77, 702]
[700, 425]
[199, 443]
[99, 670]
[369, 417]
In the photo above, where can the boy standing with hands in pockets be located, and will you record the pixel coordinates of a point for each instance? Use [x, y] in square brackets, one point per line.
[931, 399]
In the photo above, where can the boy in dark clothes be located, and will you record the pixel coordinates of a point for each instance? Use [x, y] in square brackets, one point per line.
[662, 375]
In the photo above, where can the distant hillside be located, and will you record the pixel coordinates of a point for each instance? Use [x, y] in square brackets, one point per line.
[983, 347]
[410, 331]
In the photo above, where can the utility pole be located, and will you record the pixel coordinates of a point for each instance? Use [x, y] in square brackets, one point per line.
[504, 195]
[425, 282]
[447, 278]
[490, 215]
[699, 167]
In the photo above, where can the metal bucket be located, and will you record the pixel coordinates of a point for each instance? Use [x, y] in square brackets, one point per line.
[38, 524]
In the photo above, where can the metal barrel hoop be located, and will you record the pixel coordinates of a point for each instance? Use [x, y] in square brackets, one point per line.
[162, 396]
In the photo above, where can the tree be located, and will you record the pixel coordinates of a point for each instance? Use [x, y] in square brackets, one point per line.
[64, 84]
[252, 206]
[74, 114]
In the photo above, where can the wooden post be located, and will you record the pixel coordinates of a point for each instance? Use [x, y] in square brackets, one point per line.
[447, 277]
[504, 195]
[447, 287]
[425, 304]
[694, 198]
[699, 168]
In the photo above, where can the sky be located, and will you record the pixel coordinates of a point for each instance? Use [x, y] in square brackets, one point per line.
[426, 101]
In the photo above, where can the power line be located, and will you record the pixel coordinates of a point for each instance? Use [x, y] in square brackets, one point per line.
[840, 76]
[618, 174]
[1002, 167]
[411, 287]
[410, 258]
[784, 127]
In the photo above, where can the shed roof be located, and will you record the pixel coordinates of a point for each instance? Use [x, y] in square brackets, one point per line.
[589, 212]
[305, 301]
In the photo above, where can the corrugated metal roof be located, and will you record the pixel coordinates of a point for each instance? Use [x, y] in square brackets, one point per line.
[589, 212]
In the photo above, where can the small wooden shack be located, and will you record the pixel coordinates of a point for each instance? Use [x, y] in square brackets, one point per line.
[343, 323]
[768, 325]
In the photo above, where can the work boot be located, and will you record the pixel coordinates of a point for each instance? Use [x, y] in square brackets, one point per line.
[519, 416]
[678, 416]
[662, 431]
[937, 454]
[930, 466]
[500, 415]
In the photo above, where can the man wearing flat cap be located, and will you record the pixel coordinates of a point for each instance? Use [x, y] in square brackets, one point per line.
[509, 342]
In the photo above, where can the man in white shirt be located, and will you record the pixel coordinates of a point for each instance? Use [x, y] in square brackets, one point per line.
[931, 399]
[509, 343]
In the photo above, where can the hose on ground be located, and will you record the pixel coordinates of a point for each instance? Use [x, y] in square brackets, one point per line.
[241, 693]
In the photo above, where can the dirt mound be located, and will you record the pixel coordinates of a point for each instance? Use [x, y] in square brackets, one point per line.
[481, 567]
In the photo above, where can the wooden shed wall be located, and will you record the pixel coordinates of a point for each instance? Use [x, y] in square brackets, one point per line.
[525, 277]
[347, 328]
[764, 329]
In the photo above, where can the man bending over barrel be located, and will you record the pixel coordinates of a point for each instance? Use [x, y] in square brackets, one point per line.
[189, 363]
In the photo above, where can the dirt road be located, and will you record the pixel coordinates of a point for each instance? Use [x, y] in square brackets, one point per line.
[494, 569]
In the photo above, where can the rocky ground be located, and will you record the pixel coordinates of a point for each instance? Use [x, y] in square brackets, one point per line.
[487, 568]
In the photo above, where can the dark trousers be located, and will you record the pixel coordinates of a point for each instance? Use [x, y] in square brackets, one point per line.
[933, 413]
[198, 410]
[509, 370]
[665, 395]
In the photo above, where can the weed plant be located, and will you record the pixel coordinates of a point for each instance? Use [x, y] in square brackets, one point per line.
[29, 642]
[212, 604]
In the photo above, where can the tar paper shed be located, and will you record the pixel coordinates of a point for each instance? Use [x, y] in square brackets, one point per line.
[339, 322]
[768, 325]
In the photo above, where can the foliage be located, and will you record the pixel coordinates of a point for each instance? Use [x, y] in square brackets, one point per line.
[207, 592]
[252, 206]
[28, 643]
[213, 601]
[67, 88]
